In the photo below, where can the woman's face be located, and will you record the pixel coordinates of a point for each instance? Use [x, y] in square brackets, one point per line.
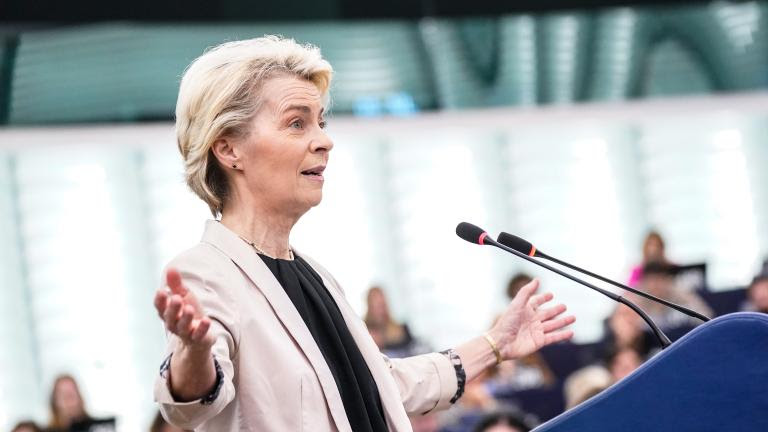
[284, 155]
[377, 306]
[624, 363]
[67, 399]
[653, 249]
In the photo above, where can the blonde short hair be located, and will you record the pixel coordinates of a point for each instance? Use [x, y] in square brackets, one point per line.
[219, 95]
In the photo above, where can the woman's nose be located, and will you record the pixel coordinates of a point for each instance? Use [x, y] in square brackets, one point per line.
[322, 142]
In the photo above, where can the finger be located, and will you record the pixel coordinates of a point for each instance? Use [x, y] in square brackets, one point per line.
[540, 299]
[183, 326]
[171, 315]
[549, 313]
[198, 334]
[173, 280]
[556, 337]
[161, 302]
[557, 324]
[527, 291]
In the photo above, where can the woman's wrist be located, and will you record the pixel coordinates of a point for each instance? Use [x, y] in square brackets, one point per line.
[500, 340]
[494, 347]
[192, 373]
[476, 356]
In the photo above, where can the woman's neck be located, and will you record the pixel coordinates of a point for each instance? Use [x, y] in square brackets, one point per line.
[268, 231]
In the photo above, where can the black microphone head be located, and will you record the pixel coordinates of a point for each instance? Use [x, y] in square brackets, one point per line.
[516, 243]
[471, 233]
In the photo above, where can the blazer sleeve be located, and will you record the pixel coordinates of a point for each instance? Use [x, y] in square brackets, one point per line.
[426, 382]
[202, 273]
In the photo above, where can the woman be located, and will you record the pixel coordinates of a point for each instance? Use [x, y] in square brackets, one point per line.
[653, 251]
[67, 405]
[391, 337]
[261, 336]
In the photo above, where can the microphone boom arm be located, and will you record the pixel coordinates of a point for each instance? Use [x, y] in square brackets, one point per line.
[675, 306]
[663, 339]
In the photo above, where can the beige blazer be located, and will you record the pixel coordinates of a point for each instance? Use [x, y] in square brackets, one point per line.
[275, 377]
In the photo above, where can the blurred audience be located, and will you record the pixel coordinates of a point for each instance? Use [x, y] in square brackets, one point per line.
[625, 329]
[160, 425]
[653, 251]
[585, 383]
[393, 339]
[622, 362]
[658, 278]
[26, 426]
[480, 402]
[67, 405]
[477, 394]
[68, 413]
[757, 293]
[504, 421]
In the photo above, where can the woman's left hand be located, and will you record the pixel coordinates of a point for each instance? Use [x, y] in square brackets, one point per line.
[526, 326]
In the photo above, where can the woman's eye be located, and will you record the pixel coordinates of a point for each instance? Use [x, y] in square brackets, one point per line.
[323, 124]
[296, 124]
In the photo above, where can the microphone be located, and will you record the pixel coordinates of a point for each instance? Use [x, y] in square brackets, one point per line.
[474, 234]
[524, 246]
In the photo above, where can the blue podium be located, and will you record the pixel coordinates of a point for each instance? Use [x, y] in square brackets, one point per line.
[715, 378]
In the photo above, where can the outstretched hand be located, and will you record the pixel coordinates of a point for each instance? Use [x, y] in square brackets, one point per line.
[526, 326]
[182, 313]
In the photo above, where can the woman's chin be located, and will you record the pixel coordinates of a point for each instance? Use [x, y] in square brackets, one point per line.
[316, 201]
[313, 199]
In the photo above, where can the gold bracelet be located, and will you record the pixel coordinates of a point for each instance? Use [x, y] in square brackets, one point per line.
[493, 347]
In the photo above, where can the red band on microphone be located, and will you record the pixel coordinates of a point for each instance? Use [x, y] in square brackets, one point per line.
[533, 251]
[482, 238]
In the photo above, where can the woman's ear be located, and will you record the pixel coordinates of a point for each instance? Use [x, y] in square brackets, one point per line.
[226, 153]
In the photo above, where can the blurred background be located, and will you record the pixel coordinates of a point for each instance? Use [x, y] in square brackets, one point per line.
[581, 126]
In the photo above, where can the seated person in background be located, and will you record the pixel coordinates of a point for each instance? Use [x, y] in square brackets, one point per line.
[757, 293]
[477, 395]
[67, 405]
[623, 361]
[659, 280]
[393, 339]
[585, 383]
[625, 329]
[160, 425]
[479, 401]
[26, 426]
[653, 251]
[504, 421]
[68, 413]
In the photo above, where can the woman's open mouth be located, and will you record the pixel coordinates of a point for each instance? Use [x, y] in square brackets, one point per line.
[314, 173]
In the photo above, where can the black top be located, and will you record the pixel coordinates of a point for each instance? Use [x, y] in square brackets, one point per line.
[322, 316]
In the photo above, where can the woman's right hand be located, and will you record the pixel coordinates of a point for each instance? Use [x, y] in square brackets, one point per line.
[182, 314]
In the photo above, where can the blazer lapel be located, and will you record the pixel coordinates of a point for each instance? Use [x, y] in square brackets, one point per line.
[245, 258]
[397, 419]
